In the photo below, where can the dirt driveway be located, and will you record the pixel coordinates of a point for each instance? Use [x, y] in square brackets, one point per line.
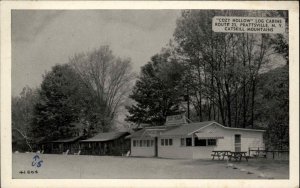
[107, 167]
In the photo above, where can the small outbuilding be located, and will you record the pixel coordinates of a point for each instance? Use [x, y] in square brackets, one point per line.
[179, 139]
[63, 145]
[109, 143]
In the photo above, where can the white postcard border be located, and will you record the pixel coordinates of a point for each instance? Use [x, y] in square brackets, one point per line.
[6, 154]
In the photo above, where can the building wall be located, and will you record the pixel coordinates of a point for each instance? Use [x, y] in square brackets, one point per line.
[203, 152]
[174, 151]
[248, 139]
[183, 152]
[143, 151]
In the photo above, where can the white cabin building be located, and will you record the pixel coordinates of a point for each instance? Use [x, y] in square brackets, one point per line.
[179, 139]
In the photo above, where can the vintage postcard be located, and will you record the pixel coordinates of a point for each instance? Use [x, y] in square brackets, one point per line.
[149, 94]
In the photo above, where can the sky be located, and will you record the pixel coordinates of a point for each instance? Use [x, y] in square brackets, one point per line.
[44, 38]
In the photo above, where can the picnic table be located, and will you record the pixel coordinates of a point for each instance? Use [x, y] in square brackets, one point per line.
[220, 154]
[238, 155]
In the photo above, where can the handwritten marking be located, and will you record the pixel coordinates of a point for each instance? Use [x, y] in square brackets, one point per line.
[37, 161]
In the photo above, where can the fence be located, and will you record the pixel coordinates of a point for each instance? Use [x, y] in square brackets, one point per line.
[257, 152]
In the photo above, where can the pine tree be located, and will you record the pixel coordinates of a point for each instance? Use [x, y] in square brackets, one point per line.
[158, 91]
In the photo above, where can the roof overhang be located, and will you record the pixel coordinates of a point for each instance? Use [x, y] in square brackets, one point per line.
[228, 128]
[202, 128]
[96, 140]
[103, 137]
[68, 140]
[128, 137]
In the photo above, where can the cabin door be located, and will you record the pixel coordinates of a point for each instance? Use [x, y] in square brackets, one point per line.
[237, 142]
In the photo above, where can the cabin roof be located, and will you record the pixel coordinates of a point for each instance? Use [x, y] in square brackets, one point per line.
[152, 131]
[186, 129]
[40, 140]
[100, 137]
[65, 140]
[181, 130]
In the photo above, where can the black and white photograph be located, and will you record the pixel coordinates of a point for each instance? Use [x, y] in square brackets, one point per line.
[158, 94]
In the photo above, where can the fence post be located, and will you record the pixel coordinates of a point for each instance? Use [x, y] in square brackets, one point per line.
[249, 151]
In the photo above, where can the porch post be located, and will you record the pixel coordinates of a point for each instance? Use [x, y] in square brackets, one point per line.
[193, 140]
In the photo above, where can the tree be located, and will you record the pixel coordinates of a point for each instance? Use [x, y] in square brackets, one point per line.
[158, 90]
[224, 66]
[22, 113]
[273, 106]
[109, 80]
[63, 101]
[280, 42]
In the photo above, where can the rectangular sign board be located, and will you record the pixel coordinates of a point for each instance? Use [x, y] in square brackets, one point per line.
[228, 24]
[176, 119]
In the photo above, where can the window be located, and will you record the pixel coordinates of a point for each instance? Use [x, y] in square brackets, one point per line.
[200, 142]
[205, 142]
[237, 138]
[144, 143]
[148, 143]
[152, 143]
[141, 143]
[166, 142]
[182, 142]
[188, 141]
[211, 142]
[134, 143]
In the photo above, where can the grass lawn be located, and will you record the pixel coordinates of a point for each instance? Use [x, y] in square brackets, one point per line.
[109, 167]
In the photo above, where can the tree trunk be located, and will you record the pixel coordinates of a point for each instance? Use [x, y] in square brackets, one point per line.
[244, 85]
[200, 107]
[221, 109]
[228, 104]
[200, 92]
[253, 101]
[236, 108]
